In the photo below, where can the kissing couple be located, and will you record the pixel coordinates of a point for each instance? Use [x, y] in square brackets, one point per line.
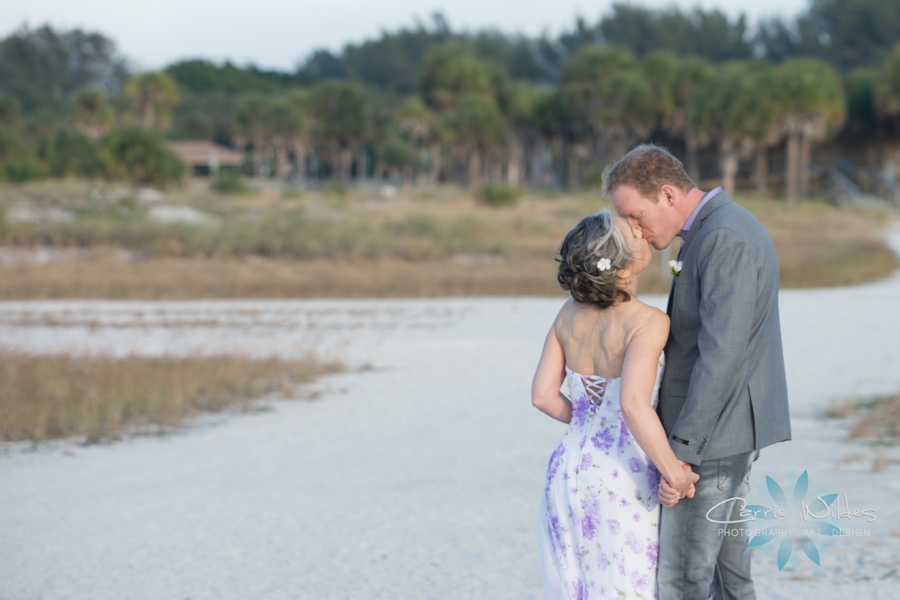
[665, 409]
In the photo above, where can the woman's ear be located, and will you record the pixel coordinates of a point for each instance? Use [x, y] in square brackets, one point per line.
[624, 274]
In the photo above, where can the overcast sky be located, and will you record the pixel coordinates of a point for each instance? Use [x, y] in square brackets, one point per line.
[280, 33]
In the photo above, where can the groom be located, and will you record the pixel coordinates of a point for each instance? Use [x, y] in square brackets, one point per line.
[724, 394]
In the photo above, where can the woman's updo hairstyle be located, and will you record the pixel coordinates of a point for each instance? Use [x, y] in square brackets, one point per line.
[594, 238]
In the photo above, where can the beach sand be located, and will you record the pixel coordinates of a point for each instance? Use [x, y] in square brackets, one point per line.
[415, 475]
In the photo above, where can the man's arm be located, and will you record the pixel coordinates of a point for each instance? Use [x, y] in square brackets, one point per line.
[728, 285]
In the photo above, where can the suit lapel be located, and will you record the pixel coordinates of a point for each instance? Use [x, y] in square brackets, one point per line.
[720, 199]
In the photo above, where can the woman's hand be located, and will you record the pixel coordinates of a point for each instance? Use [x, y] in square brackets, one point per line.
[671, 492]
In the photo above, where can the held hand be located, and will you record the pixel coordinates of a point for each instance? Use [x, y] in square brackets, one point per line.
[670, 493]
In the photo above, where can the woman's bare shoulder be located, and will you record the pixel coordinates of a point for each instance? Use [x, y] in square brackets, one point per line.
[645, 316]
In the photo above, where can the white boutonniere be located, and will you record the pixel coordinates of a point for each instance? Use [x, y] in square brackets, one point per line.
[675, 267]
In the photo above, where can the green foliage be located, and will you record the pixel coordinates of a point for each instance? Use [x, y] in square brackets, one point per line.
[736, 104]
[452, 73]
[809, 90]
[202, 76]
[859, 90]
[229, 181]
[476, 122]
[67, 152]
[153, 95]
[397, 153]
[709, 34]
[339, 112]
[45, 68]
[887, 92]
[9, 109]
[141, 156]
[499, 194]
[21, 170]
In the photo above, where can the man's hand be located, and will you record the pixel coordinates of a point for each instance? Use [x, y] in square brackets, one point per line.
[670, 493]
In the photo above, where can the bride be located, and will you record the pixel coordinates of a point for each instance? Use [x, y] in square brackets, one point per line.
[599, 517]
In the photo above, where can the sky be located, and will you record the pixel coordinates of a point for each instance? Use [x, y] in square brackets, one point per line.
[279, 34]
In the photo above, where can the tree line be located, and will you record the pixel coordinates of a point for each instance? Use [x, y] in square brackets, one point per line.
[430, 104]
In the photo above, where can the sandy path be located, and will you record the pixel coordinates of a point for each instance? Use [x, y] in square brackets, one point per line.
[419, 479]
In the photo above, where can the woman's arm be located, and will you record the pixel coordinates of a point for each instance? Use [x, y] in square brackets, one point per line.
[550, 373]
[638, 378]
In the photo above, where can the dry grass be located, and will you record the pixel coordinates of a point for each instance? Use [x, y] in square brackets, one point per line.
[427, 242]
[47, 397]
[876, 420]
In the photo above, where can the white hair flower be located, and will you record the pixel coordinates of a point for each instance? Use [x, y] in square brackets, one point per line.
[604, 264]
[675, 267]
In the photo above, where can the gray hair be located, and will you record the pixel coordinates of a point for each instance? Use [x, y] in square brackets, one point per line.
[594, 238]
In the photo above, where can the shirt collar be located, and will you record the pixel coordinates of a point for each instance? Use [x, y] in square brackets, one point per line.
[693, 217]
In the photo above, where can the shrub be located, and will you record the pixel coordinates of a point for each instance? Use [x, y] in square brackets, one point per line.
[22, 170]
[69, 152]
[141, 156]
[499, 194]
[229, 182]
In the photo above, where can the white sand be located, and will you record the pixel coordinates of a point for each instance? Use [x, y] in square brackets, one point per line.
[420, 479]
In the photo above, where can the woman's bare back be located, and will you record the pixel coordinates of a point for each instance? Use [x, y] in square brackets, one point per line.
[594, 340]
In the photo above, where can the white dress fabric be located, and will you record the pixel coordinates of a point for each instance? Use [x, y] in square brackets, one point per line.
[599, 516]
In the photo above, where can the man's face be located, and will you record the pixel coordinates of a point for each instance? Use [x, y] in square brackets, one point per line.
[657, 222]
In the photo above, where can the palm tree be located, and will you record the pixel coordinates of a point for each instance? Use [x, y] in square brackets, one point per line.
[91, 113]
[339, 121]
[887, 86]
[604, 89]
[282, 123]
[9, 109]
[732, 110]
[810, 100]
[691, 74]
[476, 124]
[420, 126]
[250, 125]
[153, 95]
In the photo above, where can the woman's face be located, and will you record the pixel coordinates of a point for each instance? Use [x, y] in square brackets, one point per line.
[640, 249]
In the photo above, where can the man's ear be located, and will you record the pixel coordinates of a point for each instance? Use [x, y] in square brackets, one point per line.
[669, 194]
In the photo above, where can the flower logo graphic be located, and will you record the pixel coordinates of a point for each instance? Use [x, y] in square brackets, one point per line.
[797, 522]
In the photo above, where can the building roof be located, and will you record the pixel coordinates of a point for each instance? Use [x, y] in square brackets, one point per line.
[203, 153]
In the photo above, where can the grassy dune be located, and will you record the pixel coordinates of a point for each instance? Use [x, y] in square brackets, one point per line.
[425, 242]
[47, 397]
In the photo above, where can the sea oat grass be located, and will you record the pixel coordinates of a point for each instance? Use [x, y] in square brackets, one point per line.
[48, 397]
[428, 241]
[876, 420]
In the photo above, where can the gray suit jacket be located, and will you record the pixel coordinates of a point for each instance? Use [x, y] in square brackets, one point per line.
[724, 391]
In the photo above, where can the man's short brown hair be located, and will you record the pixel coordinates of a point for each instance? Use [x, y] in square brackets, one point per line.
[647, 168]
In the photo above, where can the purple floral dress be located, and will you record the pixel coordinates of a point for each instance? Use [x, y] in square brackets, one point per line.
[599, 516]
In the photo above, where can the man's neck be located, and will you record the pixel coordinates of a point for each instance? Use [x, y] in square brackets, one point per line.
[688, 203]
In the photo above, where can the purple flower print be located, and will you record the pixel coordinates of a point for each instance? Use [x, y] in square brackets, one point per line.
[623, 502]
[653, 552]
[603, 439]
[554, 461]
[580, 410]
[613, 526]
[636, 517]
[580, 591]
[602, 561]
[639, 581]
[635, 465]
[620, 563]
[586, 461]
[588, 526]
[634, 542]
[615, 474]
[653, 478]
